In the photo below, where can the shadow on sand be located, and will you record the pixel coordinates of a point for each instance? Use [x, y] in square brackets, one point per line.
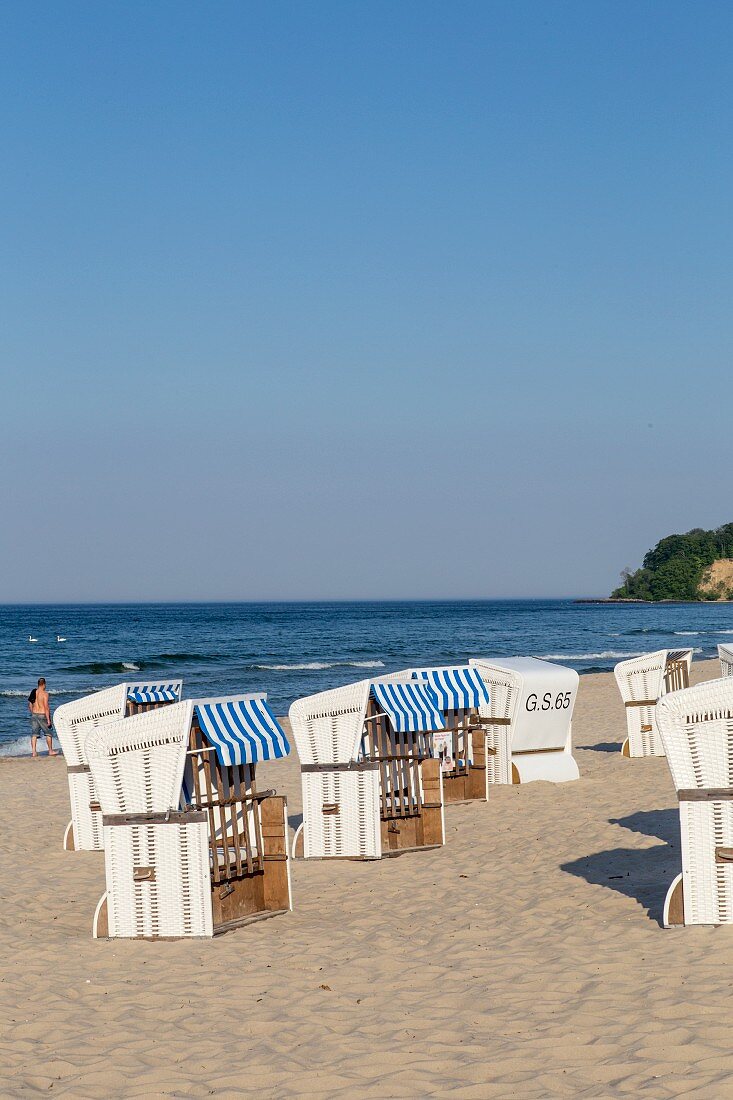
[603, 746]
[643, 874]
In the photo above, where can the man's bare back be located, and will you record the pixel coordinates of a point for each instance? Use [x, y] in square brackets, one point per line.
[41, 704]
[38, 705]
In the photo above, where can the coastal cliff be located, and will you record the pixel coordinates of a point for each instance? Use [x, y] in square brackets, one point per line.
[695, 566]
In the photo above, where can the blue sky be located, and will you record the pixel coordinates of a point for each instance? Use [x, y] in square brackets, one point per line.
[336, 300]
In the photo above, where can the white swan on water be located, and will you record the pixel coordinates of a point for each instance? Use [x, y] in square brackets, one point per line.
[31, 638]
[59, 638]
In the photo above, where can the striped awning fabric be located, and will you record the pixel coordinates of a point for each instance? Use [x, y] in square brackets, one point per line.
[242, 731]
[153, 693]
[456, 688]
[412, 707]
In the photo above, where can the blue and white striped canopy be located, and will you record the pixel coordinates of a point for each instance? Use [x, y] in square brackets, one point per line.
[456, 688]
[412, 707]
[154, 693]
[242, 731]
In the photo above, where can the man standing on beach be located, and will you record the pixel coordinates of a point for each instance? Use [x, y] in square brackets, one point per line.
[40, 717]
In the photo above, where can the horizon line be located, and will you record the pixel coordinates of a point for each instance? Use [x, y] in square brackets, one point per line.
[308, 600]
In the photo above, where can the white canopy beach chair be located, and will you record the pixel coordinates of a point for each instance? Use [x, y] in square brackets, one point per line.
[696, 728]
[462, 746]
[371, 786]
[531, 713]
[72, 723]
[191, 847]
[725, 653]
[642, 681]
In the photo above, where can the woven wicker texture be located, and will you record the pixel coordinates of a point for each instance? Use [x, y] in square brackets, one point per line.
[175, 898]
[353, 830]
[327, 727]
[72, 723]
[86, 823]
[137, 763]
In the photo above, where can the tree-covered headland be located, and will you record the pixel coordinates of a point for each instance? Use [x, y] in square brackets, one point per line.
[684, 567]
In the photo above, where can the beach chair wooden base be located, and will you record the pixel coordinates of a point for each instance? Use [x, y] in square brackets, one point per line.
[265, 891]
[470, 783]
[422, 827]
[69, 838]
[388, 854]
[222, 929]
[251, 898]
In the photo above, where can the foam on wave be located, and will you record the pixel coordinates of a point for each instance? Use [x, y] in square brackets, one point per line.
[21, 746]
[319, 665]
[606, 655]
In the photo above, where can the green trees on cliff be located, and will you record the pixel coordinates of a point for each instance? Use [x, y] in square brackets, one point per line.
[674, 568]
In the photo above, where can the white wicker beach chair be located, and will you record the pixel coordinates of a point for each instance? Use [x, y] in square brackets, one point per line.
[465, 746]
[725, 653]
[371, 787]
[696, 728]
[529, 715]
[72, 723]
[642, 681]
[192, 848]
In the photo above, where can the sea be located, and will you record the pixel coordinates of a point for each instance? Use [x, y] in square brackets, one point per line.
[295, 649]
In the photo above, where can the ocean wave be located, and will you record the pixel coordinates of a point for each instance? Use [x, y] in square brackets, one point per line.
[695, 633]
[23, 693]
[21, 746]
[312, 666]
[606, 655]
[157, 662]
[101, 668]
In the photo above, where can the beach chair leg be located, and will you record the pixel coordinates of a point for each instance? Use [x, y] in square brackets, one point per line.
[516, 778]
[69, 837]
[674, 904]
[625, 750]
[298, 840]
[100, 927]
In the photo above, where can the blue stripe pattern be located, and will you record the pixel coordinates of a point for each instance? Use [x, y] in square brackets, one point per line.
[153, 693]
[456, 688]
[412, 707]
[242, 731]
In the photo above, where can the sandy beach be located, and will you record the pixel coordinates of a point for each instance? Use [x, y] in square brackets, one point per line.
[524, 959]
